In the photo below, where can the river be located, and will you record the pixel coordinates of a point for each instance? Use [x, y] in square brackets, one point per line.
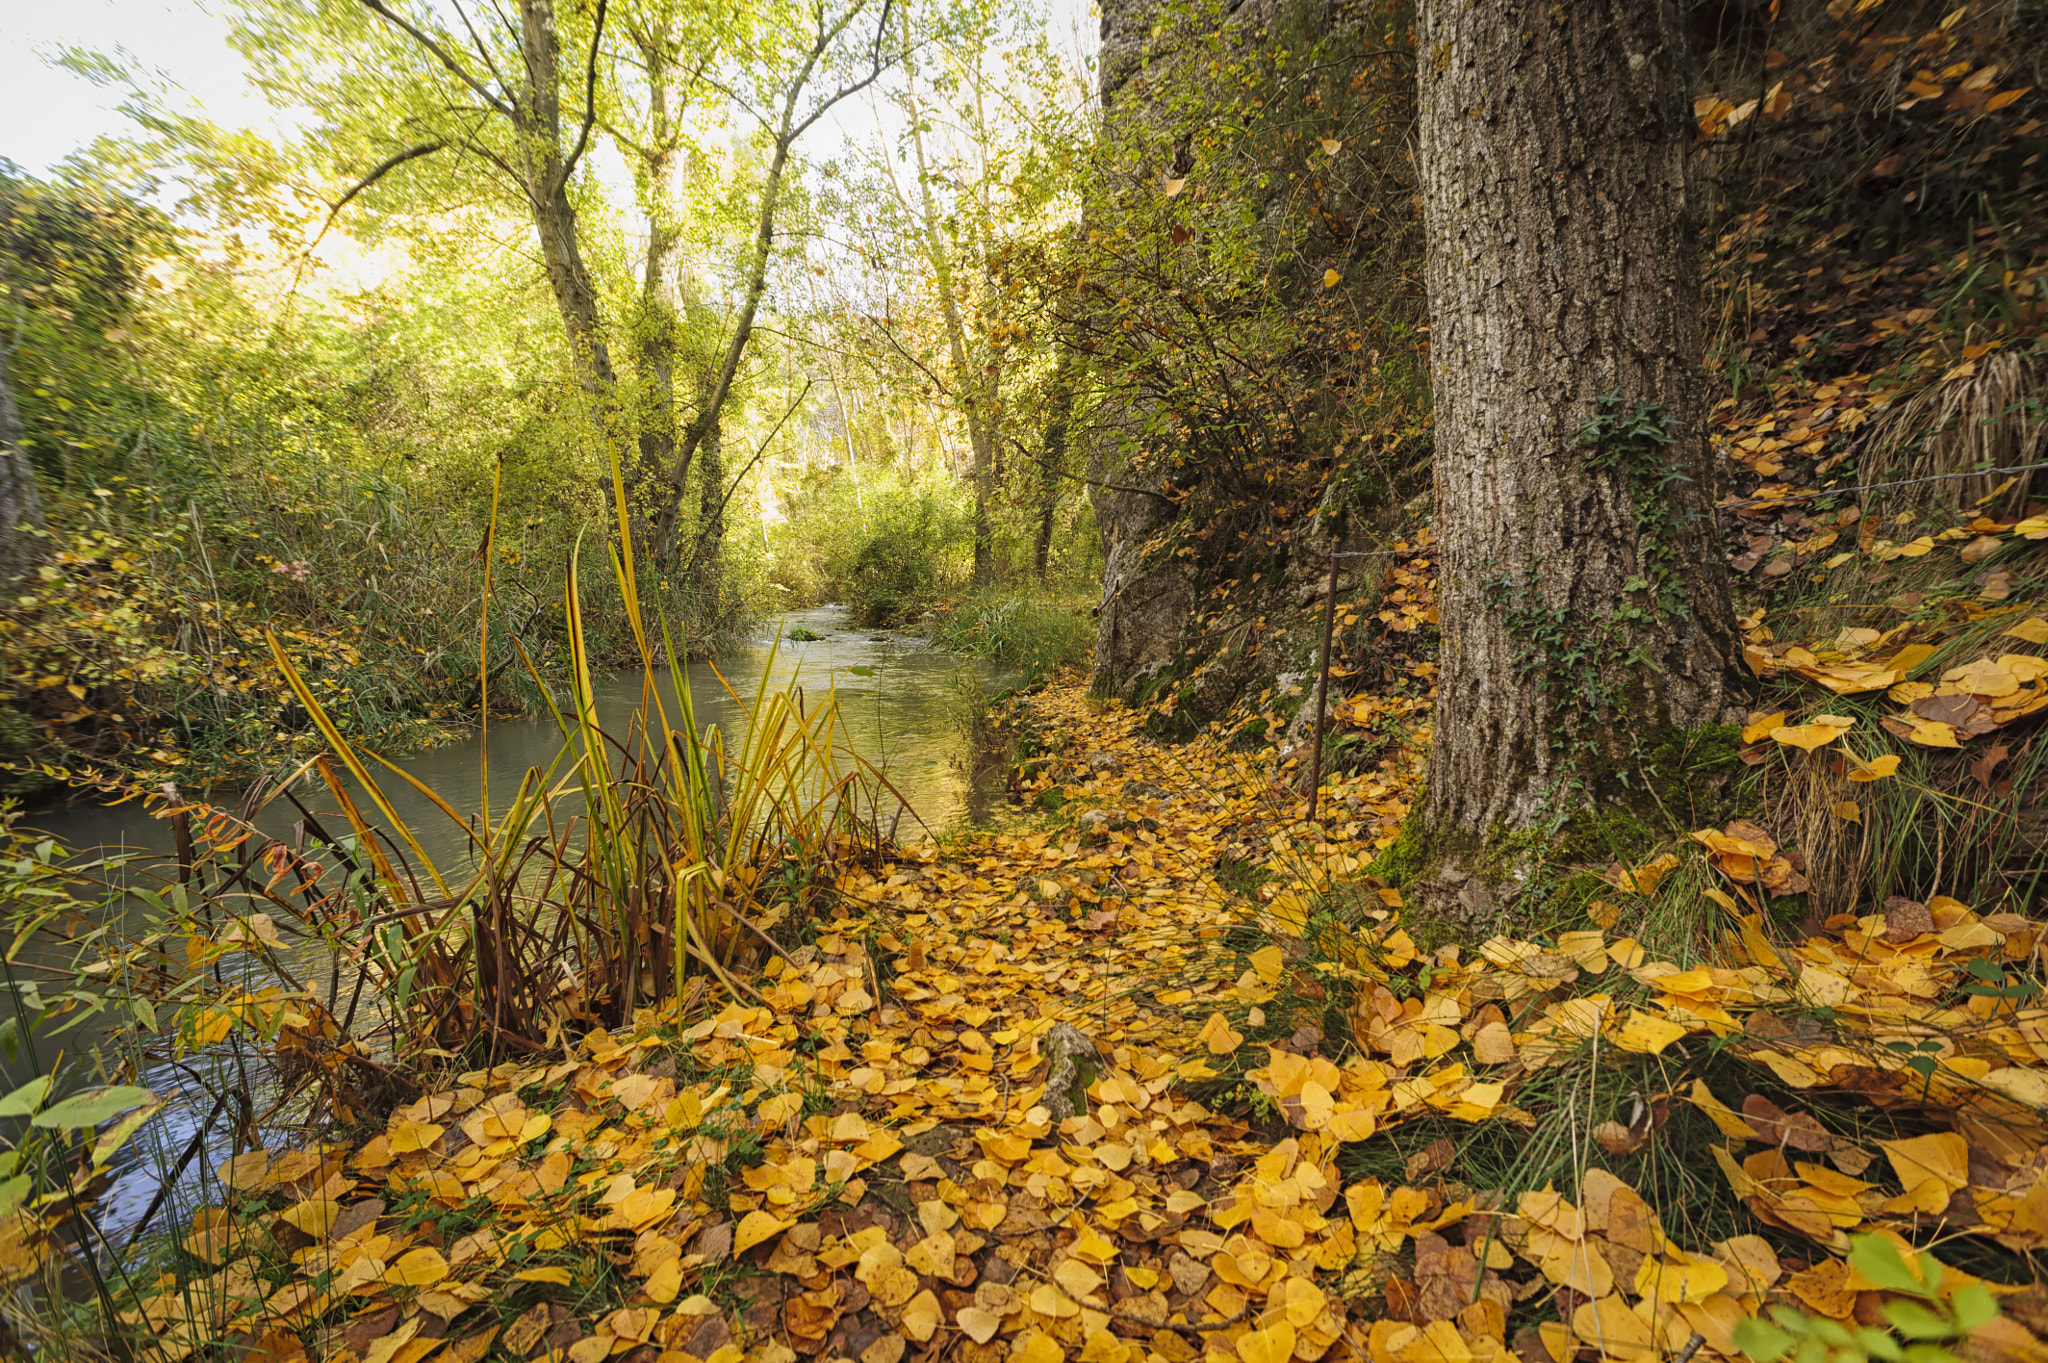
[903, 706]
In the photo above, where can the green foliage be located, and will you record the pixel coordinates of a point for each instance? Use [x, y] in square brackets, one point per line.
[1032, 634]
[1928, 1325]
[912, 547]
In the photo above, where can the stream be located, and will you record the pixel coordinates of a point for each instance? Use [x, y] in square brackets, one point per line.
[901, 704]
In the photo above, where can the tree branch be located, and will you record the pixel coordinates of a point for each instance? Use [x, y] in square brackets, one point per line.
[390, 164]
[739, 477]
[440, 53]
[589, 101]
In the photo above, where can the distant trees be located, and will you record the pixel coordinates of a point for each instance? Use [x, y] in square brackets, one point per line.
[503, 105]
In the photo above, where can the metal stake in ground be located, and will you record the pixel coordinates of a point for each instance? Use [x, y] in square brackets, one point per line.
[1315, 780]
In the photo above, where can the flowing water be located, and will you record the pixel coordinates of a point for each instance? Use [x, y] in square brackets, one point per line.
[900, 700]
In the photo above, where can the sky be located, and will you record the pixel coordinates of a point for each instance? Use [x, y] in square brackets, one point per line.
[46, 113]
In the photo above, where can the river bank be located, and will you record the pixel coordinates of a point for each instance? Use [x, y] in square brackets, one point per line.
[1159, 1077]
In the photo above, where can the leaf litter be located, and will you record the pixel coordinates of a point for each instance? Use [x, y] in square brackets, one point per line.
[863, 1162]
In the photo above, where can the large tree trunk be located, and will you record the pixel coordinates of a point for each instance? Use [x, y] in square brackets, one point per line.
[21, 508]
[1586, 621]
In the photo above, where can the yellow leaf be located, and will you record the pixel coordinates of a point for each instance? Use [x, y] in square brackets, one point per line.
[417, 1268]
[1040, 1348]
[1217, 1035]
[1930, 733]
[560, 1277]
[922, 1317]
[408, 1137]
[1680, 1279]
[2003, 98]
[314, 1218]
[2033, 630]
[755, 1227]
[979, 1325]
[1331, 146]
[1174, 187]
[1646, 1032]
[1274, 1344]
[1942, 1156]
[1877, 768]
[1330, 279]
[1762, 725]
[1848, 811]
[666, 1281]
[1720, 1113]
[1811, 736]
[1267, 960]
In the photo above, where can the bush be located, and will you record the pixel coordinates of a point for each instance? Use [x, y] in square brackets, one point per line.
[912, 554]
[1033, 634]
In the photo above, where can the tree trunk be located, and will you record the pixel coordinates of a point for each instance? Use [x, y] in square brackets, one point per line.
[1053, 457]
[1586, 620]
[977, 390]
[710, 554]
[544, 165]
[21, 508]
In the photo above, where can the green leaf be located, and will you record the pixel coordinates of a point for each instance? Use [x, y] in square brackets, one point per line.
[1831, 1332]
[861, 671]
[90, 1109]
[1879, 1260]
[1877, 1344]
[1974, 1308]
[1763, 1342]
[12, 1191]
[26, 1099]
[1916, 1321]
[116, 1136]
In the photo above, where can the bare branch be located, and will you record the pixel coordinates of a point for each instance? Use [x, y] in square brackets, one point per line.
[440, 53]
[476, 41]
[390, 164]
[589, 100]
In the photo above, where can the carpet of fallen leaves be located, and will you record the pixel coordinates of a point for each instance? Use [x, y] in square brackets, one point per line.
[861, 1162]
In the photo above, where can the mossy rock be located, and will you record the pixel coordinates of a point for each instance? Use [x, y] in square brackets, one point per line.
[804, 636]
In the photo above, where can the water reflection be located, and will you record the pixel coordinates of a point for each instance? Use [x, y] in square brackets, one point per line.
[901, 709]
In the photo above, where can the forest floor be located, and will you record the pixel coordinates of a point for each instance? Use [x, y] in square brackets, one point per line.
[1162, 1077]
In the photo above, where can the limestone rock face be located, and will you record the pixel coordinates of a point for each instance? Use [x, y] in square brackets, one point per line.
[1151, 640]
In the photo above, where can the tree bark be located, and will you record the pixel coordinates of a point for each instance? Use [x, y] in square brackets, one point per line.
[21, 507]
[709, 569]
[1586, 619]
[1053, 457]
[537, 116]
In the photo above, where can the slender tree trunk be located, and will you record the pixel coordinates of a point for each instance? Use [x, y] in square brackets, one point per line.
[1586, 621]
[537, 114]
[710, 554]
[977, 389]
[21, 507]
[1054, 455]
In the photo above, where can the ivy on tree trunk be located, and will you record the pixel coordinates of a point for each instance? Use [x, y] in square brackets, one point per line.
[1586, 618]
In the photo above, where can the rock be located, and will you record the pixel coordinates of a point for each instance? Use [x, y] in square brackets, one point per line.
[1103, 764]
[1072, 1064]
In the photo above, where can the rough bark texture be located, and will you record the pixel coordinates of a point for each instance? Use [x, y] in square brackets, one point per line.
[537, 114]
[20, 505]
[1585, 611]
[709, 559]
